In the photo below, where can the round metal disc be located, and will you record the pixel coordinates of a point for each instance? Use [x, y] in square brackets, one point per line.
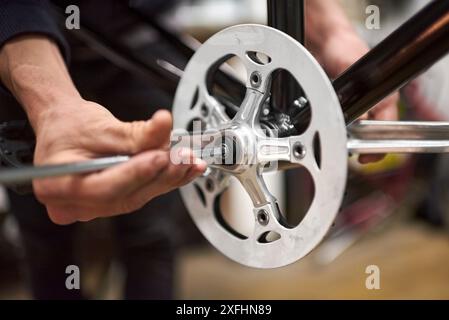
[327, 121]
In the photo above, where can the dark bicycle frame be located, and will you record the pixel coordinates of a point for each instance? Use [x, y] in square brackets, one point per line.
[402, 56]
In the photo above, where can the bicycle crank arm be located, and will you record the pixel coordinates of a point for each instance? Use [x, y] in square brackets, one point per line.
[371, 137]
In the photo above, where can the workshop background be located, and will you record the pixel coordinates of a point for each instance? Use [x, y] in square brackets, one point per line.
[395, 215]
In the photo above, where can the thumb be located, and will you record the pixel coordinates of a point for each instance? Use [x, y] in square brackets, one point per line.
[150, 134]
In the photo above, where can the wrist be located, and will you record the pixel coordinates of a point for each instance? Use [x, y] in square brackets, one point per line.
[33, 69]
[39, 92]
[330, 29]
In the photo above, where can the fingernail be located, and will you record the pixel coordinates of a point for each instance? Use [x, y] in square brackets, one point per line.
[199, 161]
[201, 165]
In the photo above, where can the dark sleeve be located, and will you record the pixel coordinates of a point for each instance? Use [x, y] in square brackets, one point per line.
[19, 17]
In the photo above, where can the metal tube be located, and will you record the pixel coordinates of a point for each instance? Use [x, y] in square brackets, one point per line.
[286, 16]
[400, 130]
[398, 137]
[407, 52]
[18, 176]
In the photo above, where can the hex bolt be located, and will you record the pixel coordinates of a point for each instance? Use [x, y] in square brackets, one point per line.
[299, 151]
[256, 79]
[301, 102]
[266, 111]
[262, 217]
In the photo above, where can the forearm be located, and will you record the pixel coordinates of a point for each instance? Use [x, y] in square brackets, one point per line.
[33, 69]
[328, 32]
[324, 18]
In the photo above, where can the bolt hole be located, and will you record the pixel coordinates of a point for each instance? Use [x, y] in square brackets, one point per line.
[210, 186]
[299, 151]
[204, 111]
[262, 217]
[256, 78]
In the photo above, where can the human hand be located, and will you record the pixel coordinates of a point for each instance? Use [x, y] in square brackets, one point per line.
[82, 130]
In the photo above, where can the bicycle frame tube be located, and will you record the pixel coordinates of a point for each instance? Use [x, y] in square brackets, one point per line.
[286, 16]
[407, 52]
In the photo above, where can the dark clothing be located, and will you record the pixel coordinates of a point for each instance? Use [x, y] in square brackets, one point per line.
[35, 16]
[28, 16]
[144, 237]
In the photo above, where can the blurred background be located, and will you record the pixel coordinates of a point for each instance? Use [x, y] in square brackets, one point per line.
[395, 214]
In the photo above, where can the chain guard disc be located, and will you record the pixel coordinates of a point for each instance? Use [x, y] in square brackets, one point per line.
[327, 121]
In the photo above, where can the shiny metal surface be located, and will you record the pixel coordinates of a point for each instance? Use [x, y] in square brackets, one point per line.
[327, 121]
[26, 174]
[398, 137]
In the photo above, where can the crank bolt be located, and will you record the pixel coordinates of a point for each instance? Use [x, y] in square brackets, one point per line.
[299, 151]
[256, 79]
[262, 217]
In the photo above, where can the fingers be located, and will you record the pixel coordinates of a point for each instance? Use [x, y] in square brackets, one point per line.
[386, 110]
[68, 214]
[117, 190]
[105, 184]
[369, 158]
[139, 136]
[99, 190]
[162, 124]
[125, 178]
[171, 179]
[176, 174]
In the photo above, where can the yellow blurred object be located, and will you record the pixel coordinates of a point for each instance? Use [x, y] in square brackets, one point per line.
[391, 162]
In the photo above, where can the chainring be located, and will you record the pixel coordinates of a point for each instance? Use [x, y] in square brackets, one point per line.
[327, 122]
